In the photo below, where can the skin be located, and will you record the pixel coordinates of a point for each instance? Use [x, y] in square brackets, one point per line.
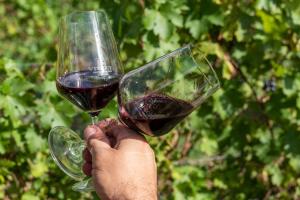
[120, 161]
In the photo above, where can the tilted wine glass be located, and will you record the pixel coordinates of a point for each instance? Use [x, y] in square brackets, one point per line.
[157, 96]
[88, 72]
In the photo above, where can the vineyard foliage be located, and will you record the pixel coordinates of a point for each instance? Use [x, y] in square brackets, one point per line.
[243, 143]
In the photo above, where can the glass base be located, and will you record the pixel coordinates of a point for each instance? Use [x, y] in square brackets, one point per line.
[66, 150]
[84, 186]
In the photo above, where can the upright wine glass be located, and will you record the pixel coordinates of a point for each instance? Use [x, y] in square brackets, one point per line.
[88, 73]
[154, 98]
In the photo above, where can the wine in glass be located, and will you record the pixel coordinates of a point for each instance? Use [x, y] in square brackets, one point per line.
[88, 73]
[154, 98]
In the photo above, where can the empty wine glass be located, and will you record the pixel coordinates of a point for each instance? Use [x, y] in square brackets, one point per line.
[88, 72]
[157, 96]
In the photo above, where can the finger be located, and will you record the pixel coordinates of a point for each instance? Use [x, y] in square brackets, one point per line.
[92, 131]
[94, 136]
[106, 123]
[127, 138]
[87, 156]
[87, 169]
[120, 131]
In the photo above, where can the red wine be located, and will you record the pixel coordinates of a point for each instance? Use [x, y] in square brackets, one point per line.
[154, 114]
[89, 90]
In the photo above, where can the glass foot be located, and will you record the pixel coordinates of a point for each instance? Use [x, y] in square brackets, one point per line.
[66, 150]
[84, 186]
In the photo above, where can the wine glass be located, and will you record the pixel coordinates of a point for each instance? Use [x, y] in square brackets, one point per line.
[88, 72]
[154, 98]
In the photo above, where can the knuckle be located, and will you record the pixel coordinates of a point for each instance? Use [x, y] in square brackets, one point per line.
[92, 143]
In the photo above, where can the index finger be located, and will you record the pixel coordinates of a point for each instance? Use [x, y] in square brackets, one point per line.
[120, 131]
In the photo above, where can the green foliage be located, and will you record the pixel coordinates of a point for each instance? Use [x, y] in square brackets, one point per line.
[243, 143]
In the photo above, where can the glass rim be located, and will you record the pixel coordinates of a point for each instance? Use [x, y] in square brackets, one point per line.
[82, 12]
[170, 54]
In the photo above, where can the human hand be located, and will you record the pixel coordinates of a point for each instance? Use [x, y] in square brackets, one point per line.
[120, 161]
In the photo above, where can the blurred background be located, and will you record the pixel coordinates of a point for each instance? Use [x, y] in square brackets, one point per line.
[243, 143]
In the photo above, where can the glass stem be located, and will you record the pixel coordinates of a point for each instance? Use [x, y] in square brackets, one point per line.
[94, 119]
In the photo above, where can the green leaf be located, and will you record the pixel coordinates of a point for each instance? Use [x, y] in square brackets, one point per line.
[289, 86]
[296, 13]
[162, 28]
[149, 19]
[209, 146]
[2, 148]
[16, 86]
[39, 167]
[219, 184]
[294, 162]
[17, 137]
[13, 108]
[276, 175]
[2, 190]
[7, 163]
[34, 141]
[49, 116]
[216, 19]
[174, 15]
[29, 196]
[269, 24]
[196, 27]
[48, 87]
[178, 195]
[11, 69]
[263, 4]
[176, 19]
[298, 102]
[161, 1]
[158, 23]
[240, 33]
